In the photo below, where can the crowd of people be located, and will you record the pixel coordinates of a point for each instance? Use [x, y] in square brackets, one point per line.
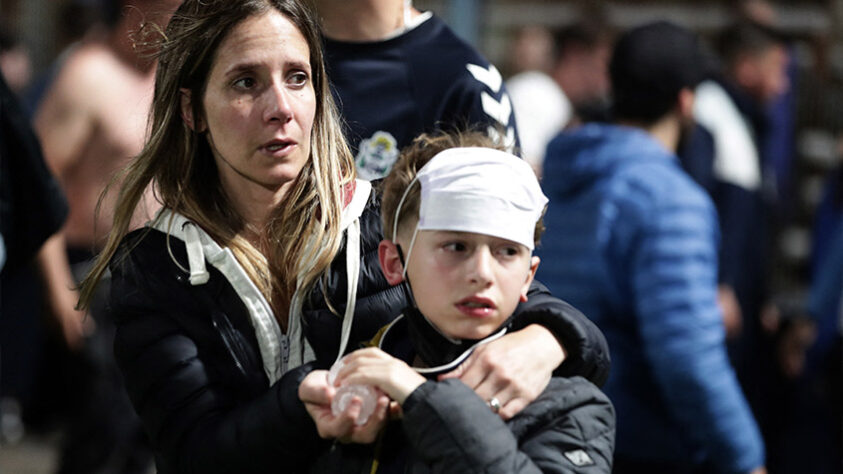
[233, 197]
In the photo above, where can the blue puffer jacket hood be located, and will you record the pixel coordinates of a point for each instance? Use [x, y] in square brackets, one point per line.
[590, 151]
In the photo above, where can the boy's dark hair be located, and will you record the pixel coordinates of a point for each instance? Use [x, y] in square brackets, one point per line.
[746, 39]
[649, 66]
[413, 157]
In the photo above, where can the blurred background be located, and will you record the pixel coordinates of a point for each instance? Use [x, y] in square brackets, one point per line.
[36, 32]
[516, 36]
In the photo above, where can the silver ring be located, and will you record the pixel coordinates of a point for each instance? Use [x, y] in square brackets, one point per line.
[495, 404]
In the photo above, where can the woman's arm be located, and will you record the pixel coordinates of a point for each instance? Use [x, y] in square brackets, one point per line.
[516, 368]
[586, 350]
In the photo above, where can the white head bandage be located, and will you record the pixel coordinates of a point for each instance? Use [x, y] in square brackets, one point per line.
[479, 190]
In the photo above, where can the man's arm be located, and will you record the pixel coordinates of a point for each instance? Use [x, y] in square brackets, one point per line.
[64, 124]
[673, 273]
[62, 295]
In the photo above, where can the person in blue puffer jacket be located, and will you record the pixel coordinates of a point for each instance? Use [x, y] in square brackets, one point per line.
[632, 241]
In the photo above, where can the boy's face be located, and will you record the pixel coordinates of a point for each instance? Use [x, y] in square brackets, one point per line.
[466, 284]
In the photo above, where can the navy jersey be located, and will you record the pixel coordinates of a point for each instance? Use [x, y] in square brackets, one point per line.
[423, 80]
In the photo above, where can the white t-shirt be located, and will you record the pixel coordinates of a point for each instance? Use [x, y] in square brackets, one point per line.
[541, 111]
[736, 158]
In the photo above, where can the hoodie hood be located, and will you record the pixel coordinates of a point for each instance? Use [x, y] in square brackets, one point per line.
[279, 352]
[577, 158]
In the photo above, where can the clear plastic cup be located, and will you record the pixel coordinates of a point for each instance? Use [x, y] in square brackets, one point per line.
[345, 393]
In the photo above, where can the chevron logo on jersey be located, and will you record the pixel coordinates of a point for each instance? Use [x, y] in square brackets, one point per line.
[489, 76]
[499, 110]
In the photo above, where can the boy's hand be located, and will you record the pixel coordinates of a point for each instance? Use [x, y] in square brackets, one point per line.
[316, 394]
[372, 366]
[514, 369]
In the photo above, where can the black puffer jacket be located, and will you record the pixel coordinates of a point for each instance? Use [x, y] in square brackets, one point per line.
[191, 365]
[447, 428]
[194, 372]
[569, 428]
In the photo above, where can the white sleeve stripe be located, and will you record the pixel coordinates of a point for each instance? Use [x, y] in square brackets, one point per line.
[498, 110]
[489, 76]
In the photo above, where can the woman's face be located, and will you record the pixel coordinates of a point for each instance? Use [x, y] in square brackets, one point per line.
[259, 107]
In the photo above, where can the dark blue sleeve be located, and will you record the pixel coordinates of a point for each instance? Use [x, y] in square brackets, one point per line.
[696, 154]
[825, 296]
[829, 216]
[32, 205]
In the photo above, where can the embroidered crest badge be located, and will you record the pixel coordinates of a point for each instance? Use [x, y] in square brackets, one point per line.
[376, 155]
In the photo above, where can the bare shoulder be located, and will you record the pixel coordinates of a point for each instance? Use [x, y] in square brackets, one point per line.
[81, 74]
[95, 108]
[89, 67]
[91, 81]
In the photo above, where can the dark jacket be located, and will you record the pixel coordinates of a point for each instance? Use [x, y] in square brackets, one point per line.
[447, 428]
[193, 368]
[32, 205]
[568, 428]
[632, 242]
[189, 359]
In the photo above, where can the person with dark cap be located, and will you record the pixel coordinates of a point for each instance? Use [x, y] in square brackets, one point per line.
[632, 242]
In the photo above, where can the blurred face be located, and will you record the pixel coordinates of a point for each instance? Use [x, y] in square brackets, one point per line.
[765, 75]
[596, 65]
[584, 74]
[773, 72]
[468, 284]
[259, 106]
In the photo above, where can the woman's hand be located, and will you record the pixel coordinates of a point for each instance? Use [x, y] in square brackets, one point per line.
[316, 394]
[514, 369]
[372, 366]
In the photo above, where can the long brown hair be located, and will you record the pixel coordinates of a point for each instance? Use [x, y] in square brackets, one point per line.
[177, 162]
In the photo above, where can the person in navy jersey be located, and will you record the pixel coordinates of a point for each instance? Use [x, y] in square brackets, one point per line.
[397, 72]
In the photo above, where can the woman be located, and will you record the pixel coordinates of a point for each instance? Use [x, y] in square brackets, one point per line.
[212, 299]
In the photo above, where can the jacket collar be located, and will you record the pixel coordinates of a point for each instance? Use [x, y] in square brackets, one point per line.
[411, 334]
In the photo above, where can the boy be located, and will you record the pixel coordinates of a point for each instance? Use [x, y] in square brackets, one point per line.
[461, 220]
